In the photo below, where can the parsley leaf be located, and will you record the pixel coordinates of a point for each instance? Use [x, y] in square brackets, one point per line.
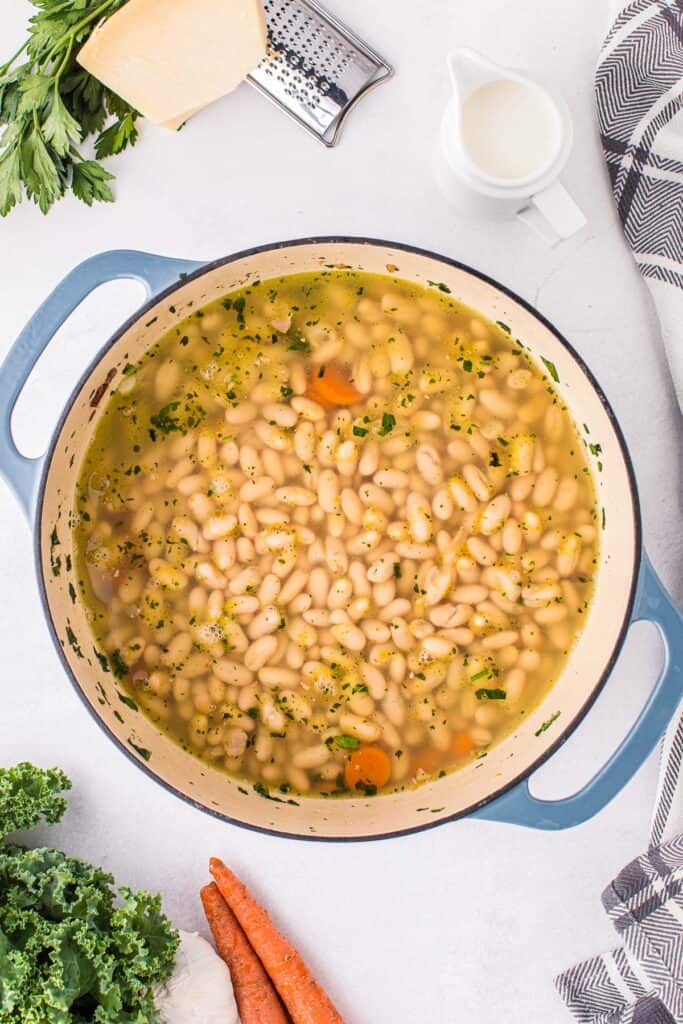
[90, 183]
[121, 134]
[60, 128]
[49, 105]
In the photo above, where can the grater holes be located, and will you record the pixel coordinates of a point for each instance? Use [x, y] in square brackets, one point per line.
[313, 69]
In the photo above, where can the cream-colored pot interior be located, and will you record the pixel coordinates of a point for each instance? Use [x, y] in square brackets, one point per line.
[341, 818]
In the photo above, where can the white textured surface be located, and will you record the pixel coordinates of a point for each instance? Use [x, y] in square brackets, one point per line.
[468, 921]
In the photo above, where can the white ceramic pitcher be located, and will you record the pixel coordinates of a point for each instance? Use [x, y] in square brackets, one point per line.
[503, 142]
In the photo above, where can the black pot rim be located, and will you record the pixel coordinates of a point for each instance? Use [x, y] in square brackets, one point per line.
[569, 727]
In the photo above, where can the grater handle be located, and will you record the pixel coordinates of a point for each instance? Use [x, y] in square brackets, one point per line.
[386, 71]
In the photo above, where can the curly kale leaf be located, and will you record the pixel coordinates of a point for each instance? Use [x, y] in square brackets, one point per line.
[73, 947]
[28, 793]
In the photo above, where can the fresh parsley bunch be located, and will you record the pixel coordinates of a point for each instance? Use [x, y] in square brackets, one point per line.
[73, 949]
[49, 106]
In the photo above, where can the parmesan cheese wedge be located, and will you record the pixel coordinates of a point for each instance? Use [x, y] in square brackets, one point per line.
[171, 58]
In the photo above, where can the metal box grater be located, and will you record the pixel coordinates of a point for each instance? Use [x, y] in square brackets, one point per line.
[316, 68]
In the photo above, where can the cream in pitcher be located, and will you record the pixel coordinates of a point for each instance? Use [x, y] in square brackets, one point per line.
[504, 140]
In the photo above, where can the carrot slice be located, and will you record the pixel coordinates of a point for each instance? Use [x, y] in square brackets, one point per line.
[367, 766]
[257, 1000]
[303, 996]
[462, 744]
[329, 386]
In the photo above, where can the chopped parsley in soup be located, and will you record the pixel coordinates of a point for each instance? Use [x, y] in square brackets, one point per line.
[336, 533]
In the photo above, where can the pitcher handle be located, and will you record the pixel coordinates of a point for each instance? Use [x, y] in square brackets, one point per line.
[154, 272]
[553, 214]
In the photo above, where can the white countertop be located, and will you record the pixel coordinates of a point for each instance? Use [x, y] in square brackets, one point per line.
[467, 921]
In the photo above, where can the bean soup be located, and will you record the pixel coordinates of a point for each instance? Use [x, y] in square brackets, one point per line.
[336, 533]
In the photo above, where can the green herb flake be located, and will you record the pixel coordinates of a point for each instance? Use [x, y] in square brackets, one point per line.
[73, 642]
[144, 753]
[548, 723]
[388, 424]
[102, 658]
[55, 559]
[164, 420]
[347, 742]
[551, 368]
[238, 305]
[495, 694]
[297, 342]
[118, 665]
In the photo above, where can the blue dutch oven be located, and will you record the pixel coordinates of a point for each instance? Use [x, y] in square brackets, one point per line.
[493, 788]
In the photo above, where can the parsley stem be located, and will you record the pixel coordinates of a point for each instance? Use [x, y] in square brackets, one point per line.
[71, 34]
[4, 68]
[65, 60]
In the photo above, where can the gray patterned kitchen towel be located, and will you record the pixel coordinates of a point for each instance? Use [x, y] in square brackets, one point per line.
[639, 95]
[641, 981]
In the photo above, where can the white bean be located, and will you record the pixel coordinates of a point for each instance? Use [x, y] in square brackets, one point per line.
[336, 556]
[545, 487]
[383, 569]
[364, 730]
[429, 464]
[348, 635]
[328, 490]
[259, 652]
[292, 586]
[495, 514]
[267, 621]
[308, 409]
[297, 496]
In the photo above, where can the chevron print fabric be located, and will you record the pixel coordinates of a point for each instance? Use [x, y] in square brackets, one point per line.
[639, 96]
[668, 817]
[640, 982]
[639, 99]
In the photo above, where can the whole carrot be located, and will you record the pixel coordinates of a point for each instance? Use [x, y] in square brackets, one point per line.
[305, 999]
[257, 1000]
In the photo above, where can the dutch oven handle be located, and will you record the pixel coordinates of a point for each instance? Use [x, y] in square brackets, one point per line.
[154, 272]
[519, 807]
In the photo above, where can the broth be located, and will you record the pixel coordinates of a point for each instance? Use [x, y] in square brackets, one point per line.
[336, 533]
